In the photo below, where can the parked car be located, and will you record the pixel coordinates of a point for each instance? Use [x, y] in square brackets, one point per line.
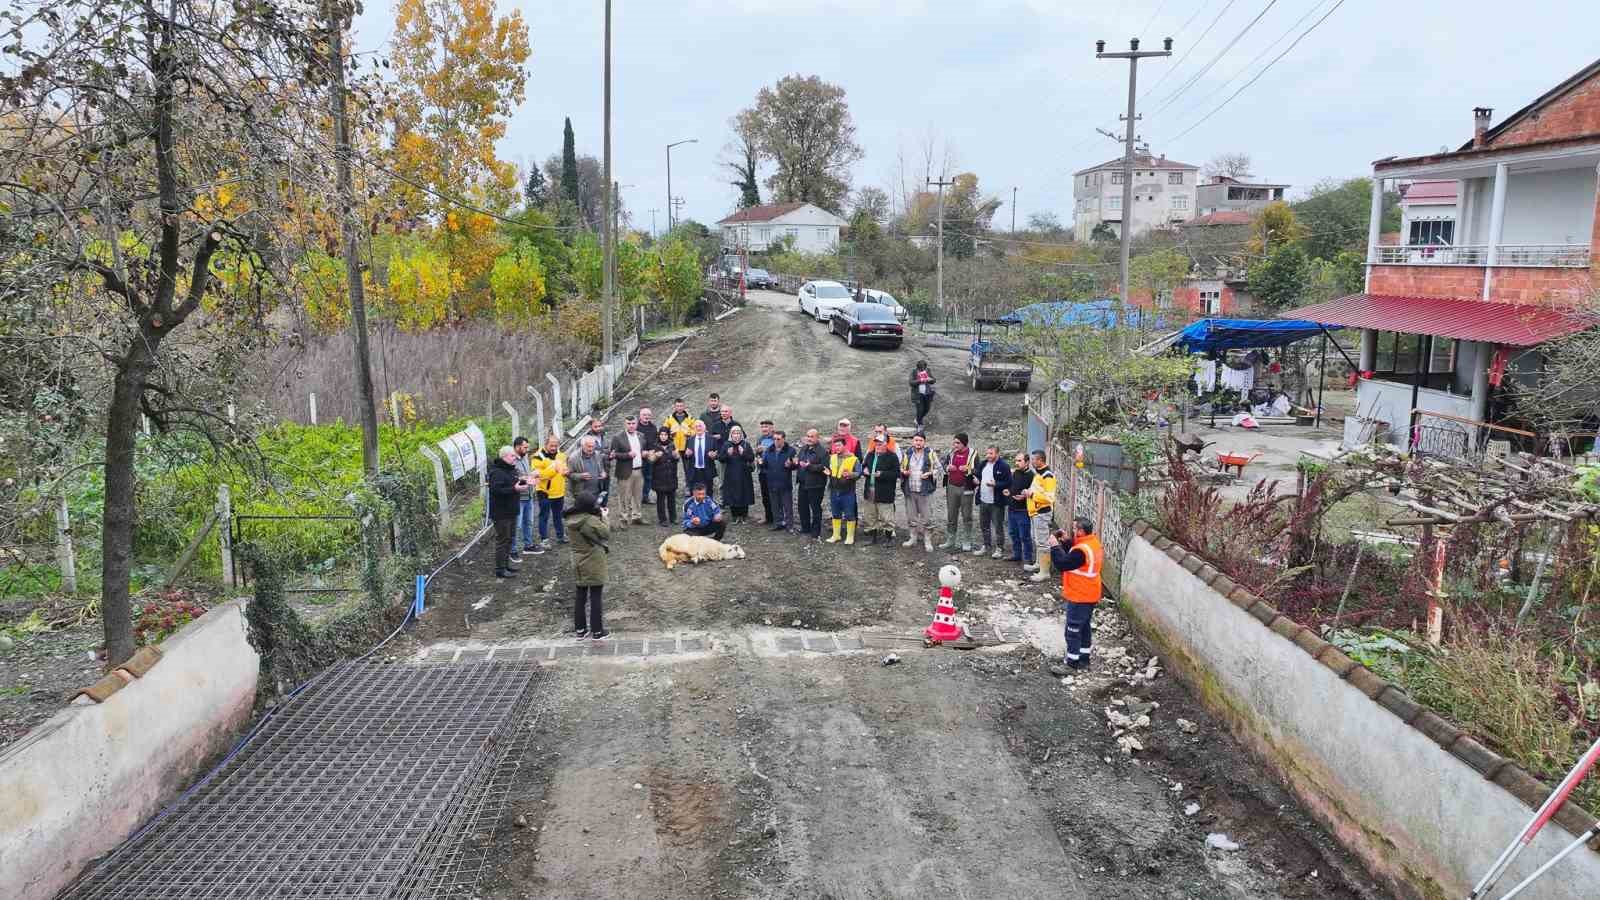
[759, 278]
[867, 323]
[819, 299]
[884, 298]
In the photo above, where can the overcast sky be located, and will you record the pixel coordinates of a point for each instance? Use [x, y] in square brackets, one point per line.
[1014, 89]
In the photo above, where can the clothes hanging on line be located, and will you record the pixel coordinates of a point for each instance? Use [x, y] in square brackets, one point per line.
[1241, 380]
[1205, 377]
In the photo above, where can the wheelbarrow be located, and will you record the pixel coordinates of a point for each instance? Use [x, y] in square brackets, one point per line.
[1235, 461]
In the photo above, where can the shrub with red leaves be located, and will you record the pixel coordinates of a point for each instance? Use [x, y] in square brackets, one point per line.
[163, 615]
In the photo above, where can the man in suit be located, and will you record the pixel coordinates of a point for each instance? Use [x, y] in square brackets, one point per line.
[627, 459]
[700, 459]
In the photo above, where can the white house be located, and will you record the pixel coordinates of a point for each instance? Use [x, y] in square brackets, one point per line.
[1163, 195]
[814, 229]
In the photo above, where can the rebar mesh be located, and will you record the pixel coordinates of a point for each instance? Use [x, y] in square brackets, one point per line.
[378, 781]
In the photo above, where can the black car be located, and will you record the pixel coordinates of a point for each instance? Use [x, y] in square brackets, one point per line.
[759, 279]
[867, 323]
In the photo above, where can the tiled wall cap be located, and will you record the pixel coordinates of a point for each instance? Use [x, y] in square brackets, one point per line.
[1476, 755]
[1178, 552]
[1224, 585]
[1263, 613]
[1242, 598]
[1521, 785]
[1310, 642]
[142, 662]
[1335, 659]
[1396, 701]
[1437, 729]
[102, 690]
[1363, 680]
[1286, 627]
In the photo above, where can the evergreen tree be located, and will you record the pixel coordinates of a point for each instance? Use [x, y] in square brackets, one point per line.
[569, 166]
[537, 190]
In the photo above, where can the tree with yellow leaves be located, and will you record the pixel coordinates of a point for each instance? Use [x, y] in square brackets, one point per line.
[459, 75]
[421, 283]
[517, 281]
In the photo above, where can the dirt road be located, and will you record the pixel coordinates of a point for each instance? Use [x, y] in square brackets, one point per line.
[746, 762]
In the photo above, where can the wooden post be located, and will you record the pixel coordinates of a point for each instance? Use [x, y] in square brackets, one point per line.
[225, 535]
[232, 419]
[394, 407]
[313, 401]
[1436, 596]
[194, 546]
[65, 557]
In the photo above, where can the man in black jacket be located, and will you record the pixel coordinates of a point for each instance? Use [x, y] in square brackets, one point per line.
[880, 472]
[994, 479]
[811, 464]
[507, 487]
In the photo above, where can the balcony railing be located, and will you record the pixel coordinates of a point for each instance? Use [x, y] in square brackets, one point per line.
[1523, 255]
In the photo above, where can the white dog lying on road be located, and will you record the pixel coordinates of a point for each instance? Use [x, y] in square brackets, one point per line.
[695, 548]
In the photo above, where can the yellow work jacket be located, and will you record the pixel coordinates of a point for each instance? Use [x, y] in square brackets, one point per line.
[680, 430]
[1044, 492]
[552, 474]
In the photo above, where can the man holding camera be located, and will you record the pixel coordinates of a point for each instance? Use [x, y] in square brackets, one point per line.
[1080, 559]
[507, 487]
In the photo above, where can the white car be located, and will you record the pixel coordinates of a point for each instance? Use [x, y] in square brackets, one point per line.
[819, 299]
[884, 298]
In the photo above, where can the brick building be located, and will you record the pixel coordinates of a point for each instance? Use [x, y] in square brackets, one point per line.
[1445, 320]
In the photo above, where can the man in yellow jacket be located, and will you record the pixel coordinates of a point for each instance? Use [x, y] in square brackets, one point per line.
[1080, 565]
[680, 424]
[549, 466]
[1041, 497]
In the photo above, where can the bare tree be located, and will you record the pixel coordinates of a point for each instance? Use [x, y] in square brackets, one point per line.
[1232, 165]
[149, 147]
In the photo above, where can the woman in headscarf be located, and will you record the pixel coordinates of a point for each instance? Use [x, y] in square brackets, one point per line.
[589, 533]
[738, 458]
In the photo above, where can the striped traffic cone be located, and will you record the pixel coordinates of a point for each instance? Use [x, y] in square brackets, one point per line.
[945, 627]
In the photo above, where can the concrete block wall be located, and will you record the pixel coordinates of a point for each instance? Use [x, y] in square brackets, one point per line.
[79, 784]
[1425, 806]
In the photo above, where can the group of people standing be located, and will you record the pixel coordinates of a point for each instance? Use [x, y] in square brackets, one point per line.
[990, 502]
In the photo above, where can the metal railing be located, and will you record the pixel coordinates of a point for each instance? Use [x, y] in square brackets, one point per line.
[1524, 255]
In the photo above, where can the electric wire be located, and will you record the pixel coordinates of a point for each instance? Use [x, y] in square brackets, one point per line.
[1195, 79]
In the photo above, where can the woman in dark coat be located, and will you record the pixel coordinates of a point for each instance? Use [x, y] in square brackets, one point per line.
[922, 390]
[587, 529]
[738, 458]
[664, 478]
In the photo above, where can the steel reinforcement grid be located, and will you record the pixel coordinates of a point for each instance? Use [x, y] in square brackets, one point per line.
[377, 781]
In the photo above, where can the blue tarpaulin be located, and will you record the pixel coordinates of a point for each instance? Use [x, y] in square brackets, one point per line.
[1207, 335]
[1098, 313]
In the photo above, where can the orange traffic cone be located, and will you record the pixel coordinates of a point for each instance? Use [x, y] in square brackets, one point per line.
[945, 627]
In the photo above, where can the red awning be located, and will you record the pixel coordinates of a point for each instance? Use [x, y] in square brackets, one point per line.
[1451, 317]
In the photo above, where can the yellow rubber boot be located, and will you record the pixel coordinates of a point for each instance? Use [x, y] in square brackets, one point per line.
[835, 538]
[850, 532]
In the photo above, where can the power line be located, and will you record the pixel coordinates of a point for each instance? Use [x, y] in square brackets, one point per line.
[1193, 80]
[1152, 20]
[1257, 76]
[1192, 45]
[1264, 51]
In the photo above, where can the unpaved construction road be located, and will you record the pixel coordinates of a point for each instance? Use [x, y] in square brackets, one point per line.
[746, 762]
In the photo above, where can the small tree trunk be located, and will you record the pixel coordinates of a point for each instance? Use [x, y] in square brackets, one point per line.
[122, 426]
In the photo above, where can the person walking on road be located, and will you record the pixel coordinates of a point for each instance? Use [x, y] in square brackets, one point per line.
[627, 456]
[1080, 560]
[994, 478]
[922, 391]
[738, 475]
[958, 495]
[920, 471]
[843, 471]
[811, 474]
[700, 459]
[550, 466]
[586, 521]
[777, 481]
[1041, 498]
[664, 471]
[507, 487]
[1017, 524]
[701, 514]
[880, 474]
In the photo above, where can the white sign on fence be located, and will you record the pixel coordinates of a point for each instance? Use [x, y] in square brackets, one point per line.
[465, 451]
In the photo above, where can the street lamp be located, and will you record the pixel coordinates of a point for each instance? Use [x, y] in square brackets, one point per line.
[669, 176]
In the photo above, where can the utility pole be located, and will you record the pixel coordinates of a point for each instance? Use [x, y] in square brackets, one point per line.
[1013, 210]
[1133, 55]
[939, 265]
[671, 201]
[607, 338]
[352, 241]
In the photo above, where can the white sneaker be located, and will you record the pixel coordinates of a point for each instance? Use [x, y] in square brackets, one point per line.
[927, 543]
[998, 554]
[967, 548]
[1038, 576]
[978, 552]
[910, 540]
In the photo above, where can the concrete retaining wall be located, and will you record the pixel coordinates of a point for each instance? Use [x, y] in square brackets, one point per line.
[1424, 805]
[80, 783]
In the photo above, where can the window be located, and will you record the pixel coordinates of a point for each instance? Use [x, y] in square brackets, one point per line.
[766, 235]
[1179, 202]
[1444, 355]
[1116, 177]
[1211, 302]
[1432, 233]
[822, 233]
[792, 232]
[1397, 353]
[1113, 202]
[1236, 193]
[1174, 178]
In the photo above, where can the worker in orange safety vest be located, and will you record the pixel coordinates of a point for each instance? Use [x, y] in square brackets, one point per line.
[1080, 563]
